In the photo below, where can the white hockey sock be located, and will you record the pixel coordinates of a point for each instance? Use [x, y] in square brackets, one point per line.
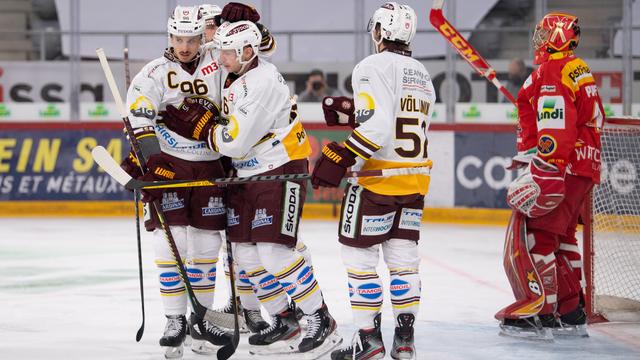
[365, 295]
[246, 292]
[202, 276]
[172, 290]
[268, 291]
[405, 291]
[299, 282]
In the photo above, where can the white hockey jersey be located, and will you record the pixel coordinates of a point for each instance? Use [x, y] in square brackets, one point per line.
[261, 134]
[162, 82]
[394, 100]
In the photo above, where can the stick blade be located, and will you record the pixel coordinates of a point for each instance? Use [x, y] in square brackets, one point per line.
[102, 157]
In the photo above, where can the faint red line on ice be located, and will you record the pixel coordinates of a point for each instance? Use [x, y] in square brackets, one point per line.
[465, 274]
[630, 340]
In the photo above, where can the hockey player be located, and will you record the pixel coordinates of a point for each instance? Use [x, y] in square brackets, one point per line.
[393, 105]
[258, 132]
[560, 114]
[197, 215]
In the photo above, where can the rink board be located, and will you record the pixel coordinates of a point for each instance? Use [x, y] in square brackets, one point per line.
[46, 170]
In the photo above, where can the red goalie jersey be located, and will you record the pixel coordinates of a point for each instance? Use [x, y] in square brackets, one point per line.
[560, 114]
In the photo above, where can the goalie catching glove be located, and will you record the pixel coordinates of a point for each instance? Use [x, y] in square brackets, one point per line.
[339, 110]
[538, 190]
[332, 165]
[192, 120]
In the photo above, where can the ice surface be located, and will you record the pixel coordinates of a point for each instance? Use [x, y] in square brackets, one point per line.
[70, 291]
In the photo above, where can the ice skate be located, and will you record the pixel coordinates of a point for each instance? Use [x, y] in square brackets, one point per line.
[321, 335]
[229, 309]
[573, 324]
[528, 328]
[366, 345]
[253, 321]
[403, 343]
[211, 340]
[279, 338]
[175, 332]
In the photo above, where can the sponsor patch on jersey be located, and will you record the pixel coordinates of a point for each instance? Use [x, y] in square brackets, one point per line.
[551, 112]
[410, 219]
[170, 278]
[215, 207]
[170, 201]
[290, 209]
[349, 219]
[143, 107]
[370, 291]
[268, 282]
[547, 89]
[232, 218]
[547, 145]
[230, 131]
[399, 287]
[365, 107]
[246, 164]
[261, 219]
[377, 224]
[306, 276]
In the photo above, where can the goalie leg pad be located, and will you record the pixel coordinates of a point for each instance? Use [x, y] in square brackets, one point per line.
[521, 272]
[569, 285]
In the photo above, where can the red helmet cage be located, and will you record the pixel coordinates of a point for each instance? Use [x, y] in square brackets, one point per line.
[555, 32]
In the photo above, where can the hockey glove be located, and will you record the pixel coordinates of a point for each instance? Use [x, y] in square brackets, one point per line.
[192, 120]
[268, 42]
[332, 165]
[131, 165]
[538, 190]
[235, 11]
[160, 167]
[339, 110]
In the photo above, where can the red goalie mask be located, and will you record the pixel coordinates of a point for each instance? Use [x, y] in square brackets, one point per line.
[555, 32]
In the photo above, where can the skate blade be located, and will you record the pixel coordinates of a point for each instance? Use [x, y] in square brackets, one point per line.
[281, 347]
[203, 347]
[403, 355]
[171, 352]
[571, 331]
[330, 343]
[543, 334]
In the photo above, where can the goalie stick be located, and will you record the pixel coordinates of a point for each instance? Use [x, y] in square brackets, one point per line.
[111, 167]
[462, 46]
[218, 318]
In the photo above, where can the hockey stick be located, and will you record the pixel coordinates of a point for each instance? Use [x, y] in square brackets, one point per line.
[136, 201]
[111, 167]
[462, 46]
[218, 318]
[226, 351]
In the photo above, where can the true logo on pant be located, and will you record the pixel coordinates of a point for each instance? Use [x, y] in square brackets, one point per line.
[377, 224]
[215, 207]
[410, 219]
[261, 219]
[350, 212]
[290, 209]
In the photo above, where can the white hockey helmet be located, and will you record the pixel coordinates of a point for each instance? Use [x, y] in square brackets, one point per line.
[209, 11]
[397, 23]
[186, 21]
[237, 35]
